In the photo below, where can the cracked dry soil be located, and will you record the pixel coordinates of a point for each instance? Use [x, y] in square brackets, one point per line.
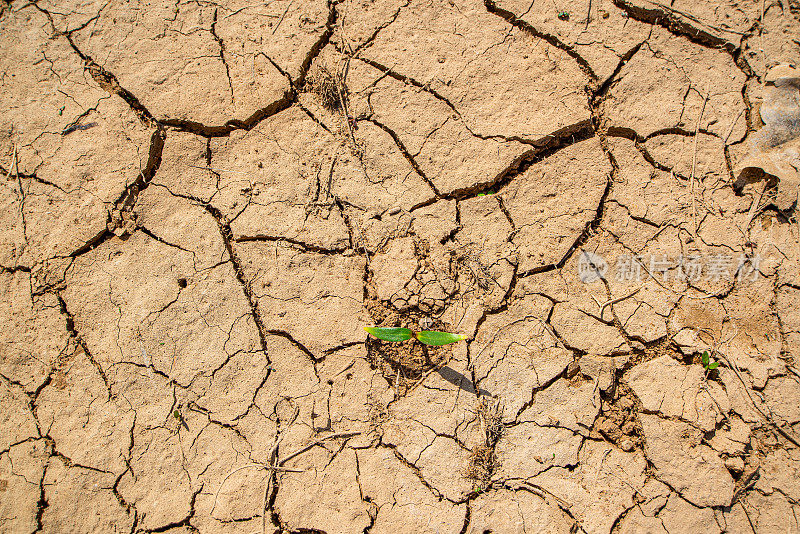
[203, 203]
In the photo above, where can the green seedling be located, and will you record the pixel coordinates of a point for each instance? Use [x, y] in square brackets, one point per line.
[563, 15]
[389, 334]
[436, 339]
[477, 489]
[486, 193]
[428, 337]
[181, 421]
[707, 362]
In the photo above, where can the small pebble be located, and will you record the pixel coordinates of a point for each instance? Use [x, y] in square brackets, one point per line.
[628, 428]
[734, 464]
[573, 369]
[625, 403]
[626, 445]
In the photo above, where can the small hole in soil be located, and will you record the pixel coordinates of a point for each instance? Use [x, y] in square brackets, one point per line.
[182, 282]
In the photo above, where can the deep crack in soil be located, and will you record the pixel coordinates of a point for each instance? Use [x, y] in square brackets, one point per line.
[204, 203]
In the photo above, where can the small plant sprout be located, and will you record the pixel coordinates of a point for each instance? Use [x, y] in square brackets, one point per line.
[179, 417]
[428, 337]
[563, 15]
[708, 364]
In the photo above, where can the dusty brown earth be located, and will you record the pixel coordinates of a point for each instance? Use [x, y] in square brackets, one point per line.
[204, 203]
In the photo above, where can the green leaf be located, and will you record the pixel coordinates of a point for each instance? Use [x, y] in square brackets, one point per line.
[430, 337]
[713, 366]
[704, 358]
[389, 334]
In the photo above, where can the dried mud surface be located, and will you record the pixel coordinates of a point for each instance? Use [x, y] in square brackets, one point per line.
[203, 203]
